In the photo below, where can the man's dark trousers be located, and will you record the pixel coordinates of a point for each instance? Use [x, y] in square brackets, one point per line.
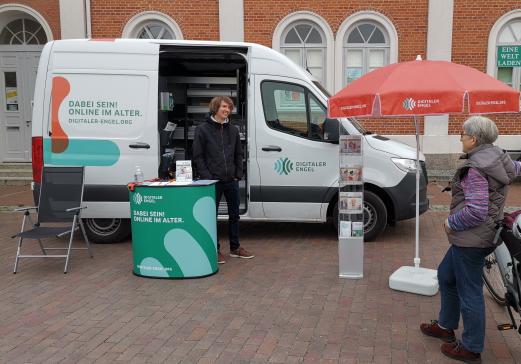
[231, 194]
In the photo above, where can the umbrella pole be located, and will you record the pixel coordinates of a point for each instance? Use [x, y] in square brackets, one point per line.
[417, 254]
[415, 279]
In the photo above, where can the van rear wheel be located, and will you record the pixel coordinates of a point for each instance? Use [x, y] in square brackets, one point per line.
[106, 231]
[375, 216]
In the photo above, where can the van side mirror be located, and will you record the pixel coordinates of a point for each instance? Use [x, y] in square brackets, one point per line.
[331, 133]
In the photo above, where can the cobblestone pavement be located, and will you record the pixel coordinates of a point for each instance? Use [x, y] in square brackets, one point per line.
[286, 305]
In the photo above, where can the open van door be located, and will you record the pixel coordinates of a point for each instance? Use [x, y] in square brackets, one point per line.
[103, 115]
[298, 166]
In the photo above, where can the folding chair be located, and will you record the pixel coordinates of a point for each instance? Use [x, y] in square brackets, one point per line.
[61, 194]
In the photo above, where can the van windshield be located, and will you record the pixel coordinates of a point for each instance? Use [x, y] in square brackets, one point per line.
[359, 127]
[322, 89]
[354, 122]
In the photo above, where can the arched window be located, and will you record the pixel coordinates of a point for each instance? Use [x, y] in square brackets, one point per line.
[155, 30]
[508, 48]
[152, 25]
[304, 43]
[366, 47]
[22, 32]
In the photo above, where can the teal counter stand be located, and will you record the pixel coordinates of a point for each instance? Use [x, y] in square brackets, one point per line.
[174, 229]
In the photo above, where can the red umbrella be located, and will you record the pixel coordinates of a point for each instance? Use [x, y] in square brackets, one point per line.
[422, 88]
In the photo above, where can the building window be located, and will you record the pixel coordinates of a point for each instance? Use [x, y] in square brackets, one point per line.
[366, 47]
[304, 43]
[152, 25]
[155, 30]
[23, 32]
[510, 35]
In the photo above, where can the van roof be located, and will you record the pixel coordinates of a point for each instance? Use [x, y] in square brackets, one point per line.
[131, 45]
[161, 42]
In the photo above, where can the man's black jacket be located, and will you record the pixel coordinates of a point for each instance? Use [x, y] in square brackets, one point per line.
[217, 151]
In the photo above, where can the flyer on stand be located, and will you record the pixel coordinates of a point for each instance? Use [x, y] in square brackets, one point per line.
[345, 229]
[357, 228]
[350, 202]
[351, 174]
[351, 144]
[183, 171]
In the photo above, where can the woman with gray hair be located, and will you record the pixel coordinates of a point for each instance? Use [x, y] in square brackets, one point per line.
[479, 189]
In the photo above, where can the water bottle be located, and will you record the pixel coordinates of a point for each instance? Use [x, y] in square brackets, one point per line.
[138, 175]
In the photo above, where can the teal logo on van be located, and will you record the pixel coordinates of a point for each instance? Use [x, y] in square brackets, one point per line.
[283, 166]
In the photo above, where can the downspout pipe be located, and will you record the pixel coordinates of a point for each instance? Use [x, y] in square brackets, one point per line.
[88, 25]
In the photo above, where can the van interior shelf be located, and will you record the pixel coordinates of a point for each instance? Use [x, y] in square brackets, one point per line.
[202, 110]
[179, 133]
[210, 92]
[203, 80]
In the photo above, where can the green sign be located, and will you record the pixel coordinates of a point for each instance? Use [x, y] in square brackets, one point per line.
[509, 56]
[174, 231]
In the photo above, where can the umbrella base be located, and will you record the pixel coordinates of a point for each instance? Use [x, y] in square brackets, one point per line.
[415, 280]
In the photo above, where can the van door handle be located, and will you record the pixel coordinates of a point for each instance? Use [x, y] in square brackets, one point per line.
[139, 145]
[272, 148]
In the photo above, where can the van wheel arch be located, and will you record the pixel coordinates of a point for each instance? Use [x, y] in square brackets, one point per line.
[391, 216]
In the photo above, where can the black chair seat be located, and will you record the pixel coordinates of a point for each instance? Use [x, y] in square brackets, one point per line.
[44, 231]
[59, 203]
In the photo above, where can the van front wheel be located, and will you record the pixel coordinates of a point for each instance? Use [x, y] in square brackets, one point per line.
[106, 231]
[375, 216]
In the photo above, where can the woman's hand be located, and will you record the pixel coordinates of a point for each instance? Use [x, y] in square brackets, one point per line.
[446, 226]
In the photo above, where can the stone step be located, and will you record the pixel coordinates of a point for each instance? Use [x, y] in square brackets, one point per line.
[25, 166]
[440, 174]
[16, 173]
[15, 181]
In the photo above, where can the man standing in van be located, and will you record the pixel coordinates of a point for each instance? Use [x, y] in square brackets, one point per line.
[217, 155]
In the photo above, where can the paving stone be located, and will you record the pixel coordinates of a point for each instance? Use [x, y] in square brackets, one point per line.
[286, 305]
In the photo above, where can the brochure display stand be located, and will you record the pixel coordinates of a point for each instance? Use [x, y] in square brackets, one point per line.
[174, 229]
[350, 206]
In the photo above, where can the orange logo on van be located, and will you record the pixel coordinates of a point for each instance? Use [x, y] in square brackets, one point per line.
[60, 89]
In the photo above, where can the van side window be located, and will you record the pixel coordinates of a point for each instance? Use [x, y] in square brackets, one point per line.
[292, 109]
[318, 115]
[285, 107]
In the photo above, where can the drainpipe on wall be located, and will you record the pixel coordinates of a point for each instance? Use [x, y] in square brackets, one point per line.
[88, 25]
[231, 20]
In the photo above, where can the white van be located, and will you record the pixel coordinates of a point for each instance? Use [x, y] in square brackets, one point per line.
[105, 104]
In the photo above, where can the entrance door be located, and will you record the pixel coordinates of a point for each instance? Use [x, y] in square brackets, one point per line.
[17, 80]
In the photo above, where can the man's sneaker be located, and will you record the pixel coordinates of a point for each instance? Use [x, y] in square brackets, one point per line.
[220, 258]
[458, 352]
[241, 253]
[434, 330]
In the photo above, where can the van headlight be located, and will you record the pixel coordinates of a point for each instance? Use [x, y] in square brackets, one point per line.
[406, 165]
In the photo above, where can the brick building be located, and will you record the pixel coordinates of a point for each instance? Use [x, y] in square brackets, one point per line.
[337, 41]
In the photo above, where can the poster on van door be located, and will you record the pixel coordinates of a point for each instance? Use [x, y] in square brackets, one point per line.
[89, 112]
